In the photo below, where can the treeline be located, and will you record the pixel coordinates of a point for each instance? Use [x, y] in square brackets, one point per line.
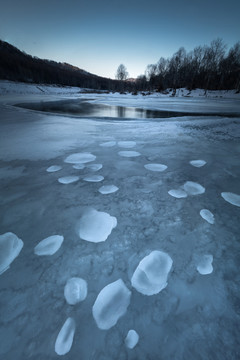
[16, 65]
[206, 67]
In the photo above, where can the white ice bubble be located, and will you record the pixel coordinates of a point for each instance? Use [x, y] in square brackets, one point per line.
[78, 166]
[49, 246]
[131, 339]
[75, 290]
[126, 144]
[233, 199]
[108, 144]
[111, 303]
[108, 189]
[10, 247]
[150, 276]
[93, 178]
[64, 339]
[197, 163]
[81, 158]
[129, 153]
[94, 167]
[207, 215]
[177, 193]
[96, 226]
[155, 167]
[193, 188]
[54, 168]
[205, 265]
[68, 179]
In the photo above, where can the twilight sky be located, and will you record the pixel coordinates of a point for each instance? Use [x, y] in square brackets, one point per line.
[98, 35]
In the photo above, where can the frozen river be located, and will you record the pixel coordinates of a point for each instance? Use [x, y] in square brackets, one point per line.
[122, 202]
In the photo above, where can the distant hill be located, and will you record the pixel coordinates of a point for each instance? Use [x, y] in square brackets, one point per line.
[16, 65]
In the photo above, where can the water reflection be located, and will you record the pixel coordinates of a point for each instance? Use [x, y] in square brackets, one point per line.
[85, 108]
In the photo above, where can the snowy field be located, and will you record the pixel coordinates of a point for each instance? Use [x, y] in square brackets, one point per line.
[119, 239]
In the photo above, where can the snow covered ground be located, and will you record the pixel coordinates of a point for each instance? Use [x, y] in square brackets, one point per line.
[147, 249]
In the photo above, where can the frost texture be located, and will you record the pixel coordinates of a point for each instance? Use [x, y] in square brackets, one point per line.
[81, 158]
[10, 247]
[108, 189]
[96, 226]
[197, 163]
[64, 339]
[205, 265]
[68, 179]
[150, 277]
[54, 168]
[108, 144]
[178, 193]
[126, 144]
[49, 246]
[233, 199]
[111, 303]
[155, 167]
[94, 167]
[207, 215]
[131, 339]
[75, 290]
[193, 188]
[129, 153]
[93, 178]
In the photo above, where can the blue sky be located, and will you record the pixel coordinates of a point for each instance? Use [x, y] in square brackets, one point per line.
[98, 35]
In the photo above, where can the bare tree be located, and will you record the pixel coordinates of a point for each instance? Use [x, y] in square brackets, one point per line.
[122, 73]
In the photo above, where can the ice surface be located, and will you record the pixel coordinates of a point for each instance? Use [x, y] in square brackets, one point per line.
[108, 144]
[75, 290]
[111, 303]
[10, 247]
[181, 319]
[150, 276]
[94, 167]
[131, 339]
[193, 188]
[232, 198]
[108, 189]
[197, 163]
[64, 339]
[129, 153]
[68, 179]
[204, 266]
[93, 178]
[155, 167]
[54, 168]
[177, 193]
[49, 246]
[78, 166]
[81, 158]
[207, 215]
[96, 226]
[126, 144]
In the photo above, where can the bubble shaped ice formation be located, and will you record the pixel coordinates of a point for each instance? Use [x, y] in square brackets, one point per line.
[81, 158]
[150, 276]
[10, 247]
[96, 226]
[75, 290]
[49, 246]
[111, 303]
[65, 337]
